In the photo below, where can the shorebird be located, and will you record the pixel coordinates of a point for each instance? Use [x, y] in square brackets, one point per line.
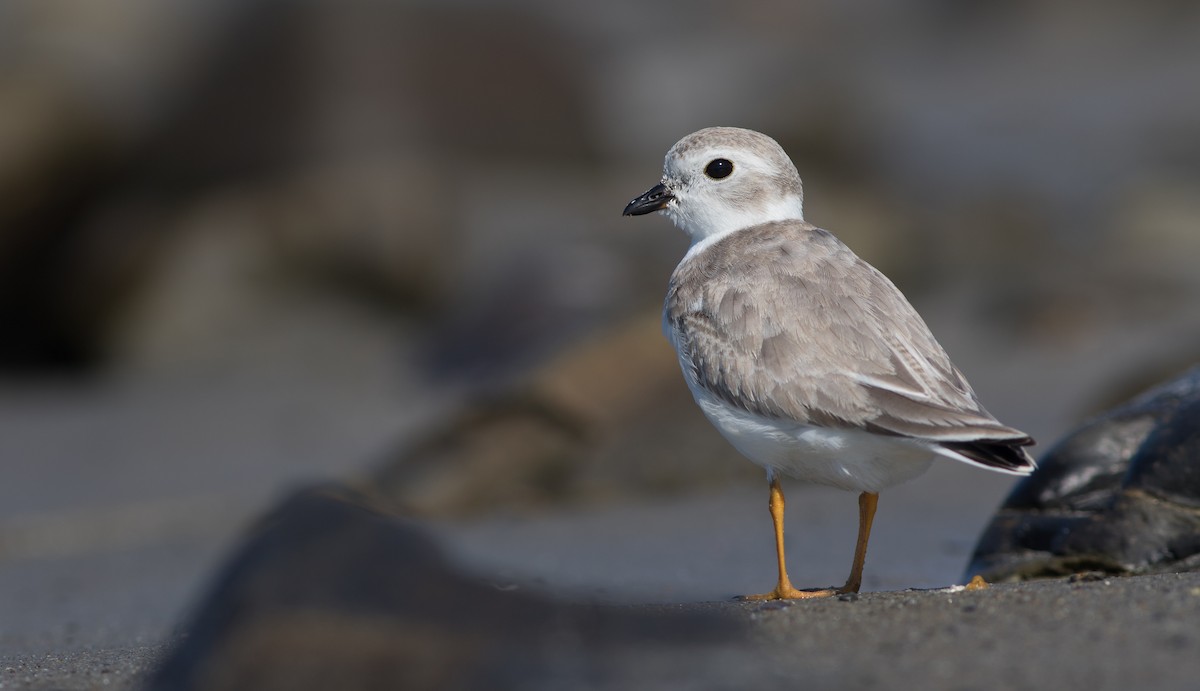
[806, 358]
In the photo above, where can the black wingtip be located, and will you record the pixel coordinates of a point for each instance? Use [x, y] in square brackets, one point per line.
[1002, 454]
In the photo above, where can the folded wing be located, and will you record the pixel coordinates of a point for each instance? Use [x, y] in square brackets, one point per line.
[784, 321]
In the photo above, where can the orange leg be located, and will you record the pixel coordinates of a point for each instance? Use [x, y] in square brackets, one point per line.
[867, 501]
[784, 589]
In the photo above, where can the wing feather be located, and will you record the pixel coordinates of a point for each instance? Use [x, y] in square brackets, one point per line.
[783, 320]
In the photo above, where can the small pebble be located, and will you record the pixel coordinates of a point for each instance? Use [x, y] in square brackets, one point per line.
[977, 583]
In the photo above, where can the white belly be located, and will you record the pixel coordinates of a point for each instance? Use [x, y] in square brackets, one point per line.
[845, 458]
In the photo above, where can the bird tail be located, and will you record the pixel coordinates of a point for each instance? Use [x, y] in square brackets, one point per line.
[1004, 455]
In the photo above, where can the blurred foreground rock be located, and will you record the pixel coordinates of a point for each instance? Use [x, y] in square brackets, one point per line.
[608, 418]
[328, 592]
[1119, 495]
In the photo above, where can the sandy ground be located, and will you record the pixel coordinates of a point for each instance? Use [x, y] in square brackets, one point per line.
[96, 618]
[715, 545]
[1092, 633]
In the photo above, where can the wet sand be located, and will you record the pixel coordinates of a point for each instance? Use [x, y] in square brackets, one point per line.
[692, 554]
[1136, 632]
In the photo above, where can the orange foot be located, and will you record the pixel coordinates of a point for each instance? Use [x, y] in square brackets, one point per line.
[789, 593]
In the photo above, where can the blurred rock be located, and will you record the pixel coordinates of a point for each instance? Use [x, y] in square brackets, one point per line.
[376, 231]
[367, 235]
[512, 312]
[328, 592]
[1120, 495]
[608, 418]
[339, 133]
[51, 151]
[146, 116]
[1157, 219]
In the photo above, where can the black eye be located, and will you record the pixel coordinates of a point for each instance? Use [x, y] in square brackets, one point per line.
[718, 168]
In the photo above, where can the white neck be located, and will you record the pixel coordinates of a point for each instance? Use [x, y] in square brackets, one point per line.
[710, 223]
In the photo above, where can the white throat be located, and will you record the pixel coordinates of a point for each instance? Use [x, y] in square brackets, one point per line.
[706, 223]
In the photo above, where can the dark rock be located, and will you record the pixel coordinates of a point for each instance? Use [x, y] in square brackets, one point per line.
[328, 592]
[1119, 495]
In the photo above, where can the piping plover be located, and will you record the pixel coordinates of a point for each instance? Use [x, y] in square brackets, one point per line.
[805, 357]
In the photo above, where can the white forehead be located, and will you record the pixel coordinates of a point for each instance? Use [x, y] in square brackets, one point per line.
[744, 147]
